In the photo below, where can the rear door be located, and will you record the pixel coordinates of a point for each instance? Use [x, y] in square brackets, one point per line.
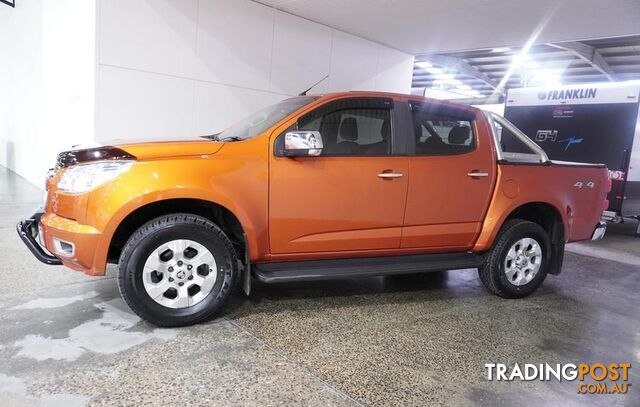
[452, 175]
[351, 197]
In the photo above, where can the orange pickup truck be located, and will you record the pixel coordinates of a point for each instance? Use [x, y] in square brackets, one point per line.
[317, 187]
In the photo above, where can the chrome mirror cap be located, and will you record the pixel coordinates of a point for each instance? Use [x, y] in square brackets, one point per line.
[303, 143]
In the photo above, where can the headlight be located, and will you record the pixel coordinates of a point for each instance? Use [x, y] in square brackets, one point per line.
[85, 177]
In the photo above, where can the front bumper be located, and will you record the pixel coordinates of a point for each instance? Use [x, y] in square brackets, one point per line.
[29, 230]
[55, 240]
[600, 230]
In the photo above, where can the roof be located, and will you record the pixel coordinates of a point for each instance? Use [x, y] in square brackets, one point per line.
[404, 96]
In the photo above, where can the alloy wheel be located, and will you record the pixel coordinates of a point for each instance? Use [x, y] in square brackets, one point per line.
[523, 261]
[179, 273]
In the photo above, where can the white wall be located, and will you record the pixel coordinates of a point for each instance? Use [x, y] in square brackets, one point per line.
[76, 71]
[20, 84]
[47, 82]
[68, 73]
[179, 68]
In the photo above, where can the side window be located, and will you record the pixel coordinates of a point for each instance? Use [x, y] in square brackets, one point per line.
[442, 130]
[511, 145]
[352, 127]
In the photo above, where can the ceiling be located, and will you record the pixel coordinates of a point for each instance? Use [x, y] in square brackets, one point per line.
[476, 46]
[421, 26]
[480, 71]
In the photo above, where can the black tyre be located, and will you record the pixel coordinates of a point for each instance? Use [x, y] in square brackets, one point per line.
[519, 260]
[177, 270]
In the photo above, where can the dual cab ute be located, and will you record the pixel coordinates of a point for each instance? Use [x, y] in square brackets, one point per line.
[316, 187]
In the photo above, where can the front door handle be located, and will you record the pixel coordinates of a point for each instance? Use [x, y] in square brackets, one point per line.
[390, 175]
[475, 174]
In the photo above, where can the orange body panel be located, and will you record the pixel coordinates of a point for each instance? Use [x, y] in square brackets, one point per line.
[237, 180]
[324, 207]
[446, 207]
[339, 204]
[580, 208]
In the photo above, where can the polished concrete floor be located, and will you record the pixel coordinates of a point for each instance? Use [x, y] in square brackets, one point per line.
[67, 339]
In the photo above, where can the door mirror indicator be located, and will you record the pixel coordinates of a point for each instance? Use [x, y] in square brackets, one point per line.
[302, 144]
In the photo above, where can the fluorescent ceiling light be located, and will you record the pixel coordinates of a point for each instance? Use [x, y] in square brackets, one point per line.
[428, 66]
[527, 46]
[442, 94]
[444, 76]
[464, 87]
[435, 71]
[531, 64]
[501, 49]
[468, 92]
[520, 59]
[447, 81]
[471, 92]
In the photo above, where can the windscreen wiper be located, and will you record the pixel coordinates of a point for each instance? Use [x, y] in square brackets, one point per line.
[213, 137]
[216, 137]
[228, 138]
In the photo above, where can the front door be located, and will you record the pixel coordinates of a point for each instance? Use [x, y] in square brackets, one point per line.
[351, 197]
[452, 175]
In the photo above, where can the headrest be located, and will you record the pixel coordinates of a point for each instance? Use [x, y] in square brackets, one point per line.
[349, 129]
[385, 131]
[459, 135]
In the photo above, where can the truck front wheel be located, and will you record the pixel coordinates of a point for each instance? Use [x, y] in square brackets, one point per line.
[177, 270]
[518, 262]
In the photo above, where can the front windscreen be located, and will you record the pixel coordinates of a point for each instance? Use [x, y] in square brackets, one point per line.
[260, 121]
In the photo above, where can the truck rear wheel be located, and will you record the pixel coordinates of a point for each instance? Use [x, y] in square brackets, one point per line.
[177, 270]
[519, 260]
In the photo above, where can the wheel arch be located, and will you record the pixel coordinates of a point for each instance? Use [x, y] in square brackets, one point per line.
[218, 214]
[550, 218]
[542, 213]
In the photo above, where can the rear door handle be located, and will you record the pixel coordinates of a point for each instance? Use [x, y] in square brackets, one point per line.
[475, 174]
[390, 175]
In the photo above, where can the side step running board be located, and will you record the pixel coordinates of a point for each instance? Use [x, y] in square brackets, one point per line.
[364, 266]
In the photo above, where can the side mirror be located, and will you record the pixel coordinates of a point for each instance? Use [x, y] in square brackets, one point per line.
[302, 143]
